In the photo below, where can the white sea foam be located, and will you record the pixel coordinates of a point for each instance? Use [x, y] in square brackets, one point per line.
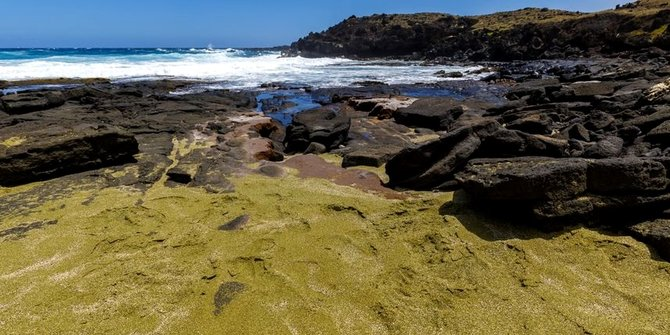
[233, 68]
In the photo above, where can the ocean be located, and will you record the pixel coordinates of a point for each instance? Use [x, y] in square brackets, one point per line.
[227, 68]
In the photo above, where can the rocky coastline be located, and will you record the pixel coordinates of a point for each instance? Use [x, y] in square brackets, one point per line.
[534, 200]
[531, 33]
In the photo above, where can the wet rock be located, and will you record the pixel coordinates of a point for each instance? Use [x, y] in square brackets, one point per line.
[444, 74]
[325, 126]
[59, 150]
[31, 102]
[334, 95]
[524, 178]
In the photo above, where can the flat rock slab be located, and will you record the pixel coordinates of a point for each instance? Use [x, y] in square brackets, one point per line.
[436, 113]
[29, 153]
[625, 175]
[31, 102]
[524, 178]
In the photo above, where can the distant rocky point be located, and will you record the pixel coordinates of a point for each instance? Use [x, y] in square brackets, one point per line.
[530, 33]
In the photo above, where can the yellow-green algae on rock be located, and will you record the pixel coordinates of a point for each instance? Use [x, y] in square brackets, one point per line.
[314, 258]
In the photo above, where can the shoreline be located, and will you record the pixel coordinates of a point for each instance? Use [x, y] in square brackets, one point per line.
[373, 212]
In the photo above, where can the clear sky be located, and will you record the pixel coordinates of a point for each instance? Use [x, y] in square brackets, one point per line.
[224, 23]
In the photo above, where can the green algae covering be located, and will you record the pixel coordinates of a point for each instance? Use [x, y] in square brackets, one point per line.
[311, 257]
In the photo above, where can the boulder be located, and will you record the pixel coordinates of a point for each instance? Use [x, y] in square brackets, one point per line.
[660, 134]
[584, 91]
[592, 88]
[433, 163]
[655, 233]
[577, 132]
[323, 125]
[438, 113]
[610, 146]
[541, 145]
[382, 108]
[503, 143]
[533, 124]
[646, 123]
[524, 178]
[31, 102]
[629, 133]
[626, 175]
[59, 150]
[599, 120]
[432, 113]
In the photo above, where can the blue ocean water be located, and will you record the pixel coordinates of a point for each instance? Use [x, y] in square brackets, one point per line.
[221, 68]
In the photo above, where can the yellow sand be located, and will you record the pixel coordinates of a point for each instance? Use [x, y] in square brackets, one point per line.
[315, 258]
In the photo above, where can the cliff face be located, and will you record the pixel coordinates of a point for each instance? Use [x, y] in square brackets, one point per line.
[524, 34]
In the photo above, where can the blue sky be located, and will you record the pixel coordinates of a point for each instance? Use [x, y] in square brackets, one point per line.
[224, 23]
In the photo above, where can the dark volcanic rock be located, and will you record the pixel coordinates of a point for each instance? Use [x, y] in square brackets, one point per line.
[533, 124]
[577, 132]
[437, 113]
[371, 157]
[626, 175]
[503, 143]
[610, 146]
[434, 163]
[655, 233]
[58, 150]
[584, 91]
[552, 190]
[599, 121]
[325, 126]
[648, 122]
[530, 33]
[431, 113]
[660, 134]
[524, 178]
[31, 102]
